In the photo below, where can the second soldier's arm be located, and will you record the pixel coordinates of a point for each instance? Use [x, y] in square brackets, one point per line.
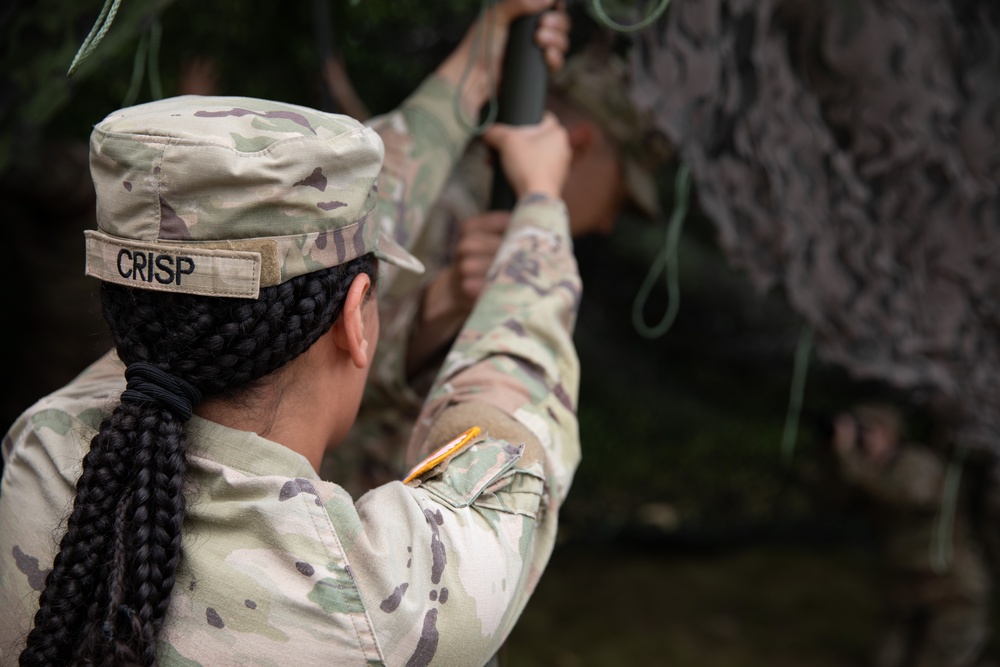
[425, 136]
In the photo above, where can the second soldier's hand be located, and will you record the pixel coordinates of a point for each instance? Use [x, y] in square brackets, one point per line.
[450, 296]
[484, 52]
[535, 158]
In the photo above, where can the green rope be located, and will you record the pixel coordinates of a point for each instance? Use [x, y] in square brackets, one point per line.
[138, 66]
[148, 51]
[101, 27]
[485, 17]
[666, 258]
[597, 8]
[791, 434]
[155, 35]
[942, 542]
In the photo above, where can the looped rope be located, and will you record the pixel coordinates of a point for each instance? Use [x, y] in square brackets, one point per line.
[149, 384]
[597, 8]
[666, 259]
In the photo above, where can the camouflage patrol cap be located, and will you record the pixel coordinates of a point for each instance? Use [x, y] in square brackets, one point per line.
[596, 83]
[221, 196]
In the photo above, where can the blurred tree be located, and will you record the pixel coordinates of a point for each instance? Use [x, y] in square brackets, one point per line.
[263, 49]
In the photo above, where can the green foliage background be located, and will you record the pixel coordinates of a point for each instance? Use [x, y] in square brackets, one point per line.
[263, 49]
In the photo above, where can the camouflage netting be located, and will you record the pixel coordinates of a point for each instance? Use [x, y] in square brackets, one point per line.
[848, 153]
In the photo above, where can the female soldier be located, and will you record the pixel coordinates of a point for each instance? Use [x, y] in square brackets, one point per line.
[237, 248]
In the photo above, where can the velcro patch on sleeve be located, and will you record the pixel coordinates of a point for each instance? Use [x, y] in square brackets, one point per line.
[443, 454]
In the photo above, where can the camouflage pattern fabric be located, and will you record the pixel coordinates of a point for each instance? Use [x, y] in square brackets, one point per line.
[933, 618]
[848, 152]
[435, 572]
[374, 451]
[423, 141]
[221, 196]
[592, 83]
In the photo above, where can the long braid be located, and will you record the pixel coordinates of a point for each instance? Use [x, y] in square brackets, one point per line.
[109, 615]
[107, 596]
[158, 506]
[77, 568]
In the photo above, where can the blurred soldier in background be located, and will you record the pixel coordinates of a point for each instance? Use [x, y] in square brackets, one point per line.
[937, 605]
[615, 155]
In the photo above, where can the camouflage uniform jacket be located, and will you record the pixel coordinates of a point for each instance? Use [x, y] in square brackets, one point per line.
[279, 565]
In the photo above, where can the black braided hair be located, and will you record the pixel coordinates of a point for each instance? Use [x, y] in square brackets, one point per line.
[107, 595]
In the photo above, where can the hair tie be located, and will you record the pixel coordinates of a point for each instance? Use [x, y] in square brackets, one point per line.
[149, 384]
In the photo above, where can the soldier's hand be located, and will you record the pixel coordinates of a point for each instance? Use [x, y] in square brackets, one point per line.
[476, 62]
[479, 239]
[455, 289]
[553, 35]
[535, 157]
[450, 296]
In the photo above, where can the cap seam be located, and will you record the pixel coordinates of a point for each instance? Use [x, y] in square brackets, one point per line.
[349, 226]
[179, 243]
[158, 174]
[170, 140]
[223, 293]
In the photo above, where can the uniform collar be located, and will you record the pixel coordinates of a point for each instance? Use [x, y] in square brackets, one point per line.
[245, 451]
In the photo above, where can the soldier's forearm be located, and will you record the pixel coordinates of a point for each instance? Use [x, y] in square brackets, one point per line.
[516, 350]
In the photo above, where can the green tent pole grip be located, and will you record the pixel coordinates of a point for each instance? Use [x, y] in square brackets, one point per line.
[521, 98]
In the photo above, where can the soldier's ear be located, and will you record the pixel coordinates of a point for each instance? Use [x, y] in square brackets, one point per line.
[350, 331]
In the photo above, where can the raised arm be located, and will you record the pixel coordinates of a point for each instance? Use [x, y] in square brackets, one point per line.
[448, 560]
[424, 137]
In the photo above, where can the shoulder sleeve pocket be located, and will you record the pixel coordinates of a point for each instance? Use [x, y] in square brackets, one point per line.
[487, 475]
